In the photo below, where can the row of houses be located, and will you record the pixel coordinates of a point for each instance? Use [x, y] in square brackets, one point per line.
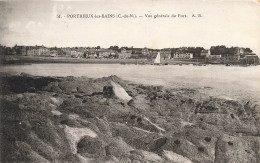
[94, 52]
[36, 51]
[240, 56]
[166, 53]
[123, 52]
[82, 52]
[30, 50]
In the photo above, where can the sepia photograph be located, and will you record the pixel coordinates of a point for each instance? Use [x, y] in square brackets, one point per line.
[130, 81]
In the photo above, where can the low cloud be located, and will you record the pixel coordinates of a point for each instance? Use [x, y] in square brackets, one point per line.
[15, 25]
[32, 24]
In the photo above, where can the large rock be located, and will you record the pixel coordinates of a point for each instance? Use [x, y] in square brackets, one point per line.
[74, 135]
[185, 148]
[120, 92]
[118, 148]
[91, 147]
[173, 157]
[103, 126]
[152, 157]
[237, 149]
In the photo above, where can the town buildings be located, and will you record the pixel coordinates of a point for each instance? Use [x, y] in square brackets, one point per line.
[239, 51]
[51, 53]
[36, 50]
[137, 53]
[234, 55]
[104, 53]
[183, 55]
[124, 55]
[153, 53]
[166, 53]
[215, 57]
[220, 54]
[205, 53]
[250, 59]
[20, 50]
[2, 49]
[145, 51]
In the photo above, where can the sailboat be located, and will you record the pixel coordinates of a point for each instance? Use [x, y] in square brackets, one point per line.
[157, 60]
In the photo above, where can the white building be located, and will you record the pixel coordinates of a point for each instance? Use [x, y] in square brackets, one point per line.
[205, 53]
[37, 50]
[215, 57]
[183, 55]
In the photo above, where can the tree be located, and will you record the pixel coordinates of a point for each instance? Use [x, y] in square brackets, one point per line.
[248, 50]
[232, 50]
[173, 51]
[196, 51]
[219, 50]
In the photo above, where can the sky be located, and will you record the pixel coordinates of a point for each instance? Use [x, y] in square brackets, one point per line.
[229, 23]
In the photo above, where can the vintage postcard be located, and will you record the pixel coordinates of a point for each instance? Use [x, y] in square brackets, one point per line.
[130, 81]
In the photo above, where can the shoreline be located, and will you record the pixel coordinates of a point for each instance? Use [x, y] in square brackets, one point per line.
[11, 60]
[26, 60]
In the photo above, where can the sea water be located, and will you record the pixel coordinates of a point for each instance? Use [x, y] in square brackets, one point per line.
[233, 82]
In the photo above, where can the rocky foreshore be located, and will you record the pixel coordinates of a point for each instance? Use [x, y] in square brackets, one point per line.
[54, 119]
